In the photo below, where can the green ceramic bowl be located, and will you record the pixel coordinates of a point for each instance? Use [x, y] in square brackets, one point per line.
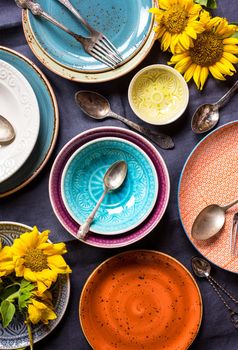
[158, 94]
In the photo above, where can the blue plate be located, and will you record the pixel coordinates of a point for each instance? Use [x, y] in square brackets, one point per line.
[126, 23]
[121, 210]
[15, 336]
[49, 121]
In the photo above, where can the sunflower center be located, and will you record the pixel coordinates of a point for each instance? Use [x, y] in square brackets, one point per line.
[36, 260]
[175, 20]
[207, 50]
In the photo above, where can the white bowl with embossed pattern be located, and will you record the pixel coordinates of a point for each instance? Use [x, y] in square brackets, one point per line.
[158, 94]
[19, 105]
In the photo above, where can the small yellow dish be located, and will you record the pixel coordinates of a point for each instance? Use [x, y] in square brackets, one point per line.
[158, 94]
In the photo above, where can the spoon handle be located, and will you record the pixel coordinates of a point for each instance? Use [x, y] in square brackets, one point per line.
[227, 96]
[84, 228]
[229, 205]
[233, 313]
[160, 139]
[36, 10]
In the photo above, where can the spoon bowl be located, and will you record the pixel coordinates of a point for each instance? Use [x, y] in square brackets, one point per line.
[210, 221]
[207, 116]
[201, 267]
[7, 132]
[97, 106]
[112, 180]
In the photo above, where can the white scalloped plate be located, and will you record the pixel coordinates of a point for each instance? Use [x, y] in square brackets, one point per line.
[19, 105]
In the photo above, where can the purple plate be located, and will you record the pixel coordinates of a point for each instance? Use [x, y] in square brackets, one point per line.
[107, 241]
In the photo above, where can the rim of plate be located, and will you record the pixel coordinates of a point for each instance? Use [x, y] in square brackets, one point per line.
[146, 251]
[122, 141]
[56, 121]
[35, 111]
[153, 3]
[86, 77]
[14, 223]
[179, 185]
[129, 133]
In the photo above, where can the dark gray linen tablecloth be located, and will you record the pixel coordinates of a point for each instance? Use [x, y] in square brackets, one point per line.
[32, 206]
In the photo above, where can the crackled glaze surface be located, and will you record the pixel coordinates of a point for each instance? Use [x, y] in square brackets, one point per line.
[113, 18]
[210, 176]
[140, 300]
[158, 94]
[109, 241]
[121, 210]
[15, 335]
[92, 77]
[19, 105]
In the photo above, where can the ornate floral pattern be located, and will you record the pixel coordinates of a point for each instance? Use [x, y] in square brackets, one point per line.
[122, 209]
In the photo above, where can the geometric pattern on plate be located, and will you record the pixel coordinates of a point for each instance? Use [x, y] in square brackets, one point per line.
[210, 176]
[15, 335]
[121, 210]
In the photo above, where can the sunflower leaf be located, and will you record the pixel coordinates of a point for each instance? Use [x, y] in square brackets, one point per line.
[25, 293]
[7, 311]
[207, 3]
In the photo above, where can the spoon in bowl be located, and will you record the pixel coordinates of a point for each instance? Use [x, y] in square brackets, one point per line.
[113, 179]
[202, 268]
[7, 132]
[97, 106]
[210, 221]
[207, 116]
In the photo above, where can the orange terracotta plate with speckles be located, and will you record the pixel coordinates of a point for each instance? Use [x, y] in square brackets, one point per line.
[210, 176]
[140, 299]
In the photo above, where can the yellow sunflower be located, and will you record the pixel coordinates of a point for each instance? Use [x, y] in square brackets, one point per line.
[6, 262]
[41, 309]
[213, 51]
[38, 260]
[177, 23]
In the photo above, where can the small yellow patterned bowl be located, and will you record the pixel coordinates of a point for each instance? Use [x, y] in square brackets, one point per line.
[158, 94]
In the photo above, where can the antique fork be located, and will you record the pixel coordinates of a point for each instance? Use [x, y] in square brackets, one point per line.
[233, 237]
[99, 37]
[90, 45]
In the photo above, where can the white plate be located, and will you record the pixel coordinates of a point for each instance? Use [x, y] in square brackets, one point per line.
[18, 104]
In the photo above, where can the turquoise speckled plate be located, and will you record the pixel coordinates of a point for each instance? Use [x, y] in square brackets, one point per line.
[121, 210]
[126, 23]
[49, 122]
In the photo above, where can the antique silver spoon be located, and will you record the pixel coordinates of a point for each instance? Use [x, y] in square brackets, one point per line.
[113, 179]
[97, 106]
[7, 132]
[210, 221]
[206, 116]
[202, 268]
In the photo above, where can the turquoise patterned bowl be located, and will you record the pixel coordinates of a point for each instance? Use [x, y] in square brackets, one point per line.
[121, 210]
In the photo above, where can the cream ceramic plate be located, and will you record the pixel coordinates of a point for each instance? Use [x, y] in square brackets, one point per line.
[80, 76]
[18, 104]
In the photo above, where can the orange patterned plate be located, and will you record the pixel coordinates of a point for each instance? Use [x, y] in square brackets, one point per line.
[140, 299]
[210, 176]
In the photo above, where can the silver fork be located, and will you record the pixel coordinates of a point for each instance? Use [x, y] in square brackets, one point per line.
[90, 45]
[233, 237]
[99, 37]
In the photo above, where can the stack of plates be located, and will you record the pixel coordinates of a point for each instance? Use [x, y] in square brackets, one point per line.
[28, 102]
[76, 183]
[127, 24]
